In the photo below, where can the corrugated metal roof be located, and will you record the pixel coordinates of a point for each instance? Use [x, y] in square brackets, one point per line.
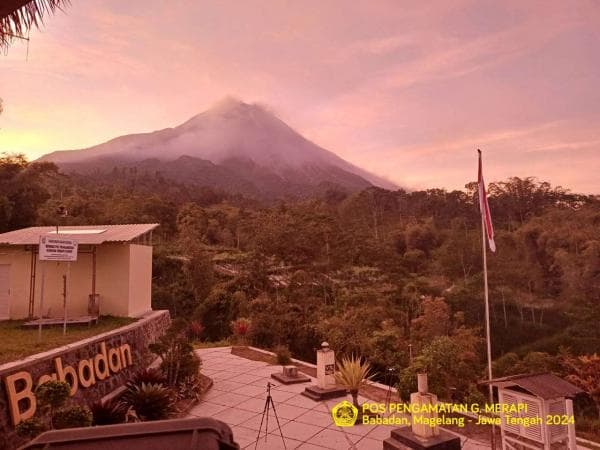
[544, 385]
[83, 234]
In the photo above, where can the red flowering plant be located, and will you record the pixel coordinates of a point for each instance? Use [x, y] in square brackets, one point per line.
[194, 330]
[241, 329]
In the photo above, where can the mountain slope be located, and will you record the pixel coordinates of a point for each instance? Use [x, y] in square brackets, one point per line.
[241, 139]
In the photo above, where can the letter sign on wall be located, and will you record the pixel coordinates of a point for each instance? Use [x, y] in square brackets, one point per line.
[57, 249]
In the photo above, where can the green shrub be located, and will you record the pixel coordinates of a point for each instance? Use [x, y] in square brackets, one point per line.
[74, 417]
[189, 388]
[178, 358]
[283, 355]
[150, 401]
[108, 413]
[30, 428]
[53, 394]
[588, 424]
[195, 330]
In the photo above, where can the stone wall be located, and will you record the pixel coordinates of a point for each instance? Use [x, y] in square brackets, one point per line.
[136, 335]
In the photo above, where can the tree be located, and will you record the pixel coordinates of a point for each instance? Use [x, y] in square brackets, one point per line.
[452, 364]
[584, 371]
[434, 322]
[200, 272]
[22, 190]
[192, 226]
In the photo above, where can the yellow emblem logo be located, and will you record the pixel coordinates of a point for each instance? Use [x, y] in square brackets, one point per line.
[344, 414]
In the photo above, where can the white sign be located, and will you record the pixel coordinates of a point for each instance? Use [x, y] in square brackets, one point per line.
[57, 249]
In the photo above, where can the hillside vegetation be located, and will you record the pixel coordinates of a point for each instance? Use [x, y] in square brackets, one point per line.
[394, 276]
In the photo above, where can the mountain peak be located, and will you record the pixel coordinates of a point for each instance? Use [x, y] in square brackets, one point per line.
[230, 130]
[229, 103]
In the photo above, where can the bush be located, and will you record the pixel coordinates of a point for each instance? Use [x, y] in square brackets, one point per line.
[178, 358]
[189, 388]
[588, 424]
[283, 355]
[53, 394]
[150, 401]
[241, 329]
[195, 330]
[30, 428]
[75, 417]
[108, 413]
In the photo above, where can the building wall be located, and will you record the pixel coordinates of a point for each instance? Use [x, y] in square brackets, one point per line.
[19, 262]
[123, 281]
[78, 287]
[136, 335]
[112, 275]
[140, 279]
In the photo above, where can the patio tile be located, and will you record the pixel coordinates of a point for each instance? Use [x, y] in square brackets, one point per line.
[225, 375]
[381, 432]
[314, 417]
[469, 444]
[238, 398]
[229, 399]
[253, 404]
[334, 439]
[300, 431]
[302, 401]
[216, 359]
[243, 436]
[254, 423]
[369, 444]
[226, 385]
[359, 430]
[308, 446]
[296, 388]
[266, 371]
[246, 378]
[212, 394]
[207, 409]
[274, 442]
[289, 411]
[234, 416]
[250, 390]
[281, 396]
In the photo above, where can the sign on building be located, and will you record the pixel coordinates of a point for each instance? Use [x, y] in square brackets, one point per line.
[57, 249]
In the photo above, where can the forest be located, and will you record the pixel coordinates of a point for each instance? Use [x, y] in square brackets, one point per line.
[392, 276]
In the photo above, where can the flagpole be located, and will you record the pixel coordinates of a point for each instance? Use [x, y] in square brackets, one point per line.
[487, 313]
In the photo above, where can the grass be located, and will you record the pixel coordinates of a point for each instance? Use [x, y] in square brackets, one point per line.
[17, 342]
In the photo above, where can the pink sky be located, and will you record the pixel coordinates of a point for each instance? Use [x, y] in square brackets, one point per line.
[407, 90]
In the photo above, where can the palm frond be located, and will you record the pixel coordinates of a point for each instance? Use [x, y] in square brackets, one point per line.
[353, 372]
[18, 16]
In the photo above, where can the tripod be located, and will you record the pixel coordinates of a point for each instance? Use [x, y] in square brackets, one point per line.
[269, 404]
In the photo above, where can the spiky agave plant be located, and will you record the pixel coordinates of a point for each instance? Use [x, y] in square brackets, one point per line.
[150, 401]
[352, 373]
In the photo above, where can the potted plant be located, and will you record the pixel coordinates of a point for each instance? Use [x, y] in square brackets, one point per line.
[352, 373]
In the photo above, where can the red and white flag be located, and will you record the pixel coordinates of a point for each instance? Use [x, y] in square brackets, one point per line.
[484, 208]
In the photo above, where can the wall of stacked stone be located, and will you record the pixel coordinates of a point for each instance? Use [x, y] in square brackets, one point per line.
[136, 335]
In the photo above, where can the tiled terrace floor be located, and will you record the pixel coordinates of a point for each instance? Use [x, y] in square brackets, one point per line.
[238, 398]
